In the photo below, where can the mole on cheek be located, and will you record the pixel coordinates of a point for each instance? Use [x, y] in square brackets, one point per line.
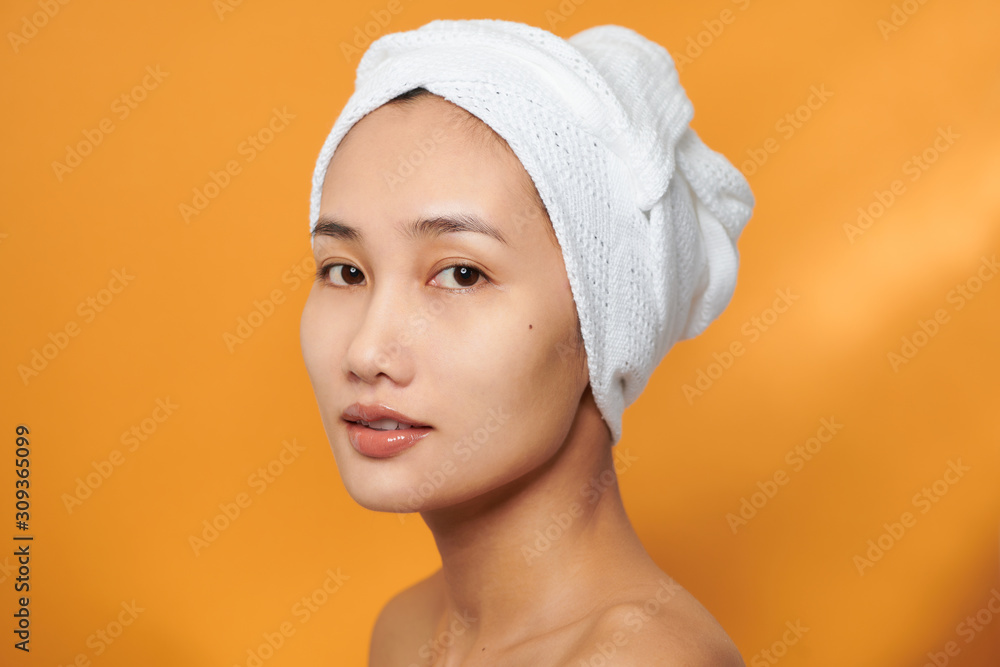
[529, 326]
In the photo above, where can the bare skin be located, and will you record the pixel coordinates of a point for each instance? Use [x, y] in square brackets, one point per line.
[540, 564]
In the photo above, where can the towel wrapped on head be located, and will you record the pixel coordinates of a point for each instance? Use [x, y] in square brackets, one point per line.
[647, 216]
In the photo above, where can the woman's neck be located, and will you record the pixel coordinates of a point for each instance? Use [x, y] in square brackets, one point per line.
[545, 549]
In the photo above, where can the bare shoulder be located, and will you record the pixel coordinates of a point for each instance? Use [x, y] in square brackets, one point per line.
[665, 626]
[405, 622]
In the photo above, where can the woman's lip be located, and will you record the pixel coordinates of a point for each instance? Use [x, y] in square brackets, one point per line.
[378, 444]
[370, 413]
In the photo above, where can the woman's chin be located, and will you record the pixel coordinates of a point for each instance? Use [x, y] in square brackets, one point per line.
[380, 503]
[376, 497]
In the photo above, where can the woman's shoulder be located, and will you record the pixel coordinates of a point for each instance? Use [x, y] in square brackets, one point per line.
[657, 622]
[405, 623]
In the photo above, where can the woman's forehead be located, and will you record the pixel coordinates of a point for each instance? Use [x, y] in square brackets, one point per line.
[418, 128]
[413, 155]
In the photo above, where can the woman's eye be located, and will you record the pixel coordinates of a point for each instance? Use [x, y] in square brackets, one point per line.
[463, 275]
[351, 275]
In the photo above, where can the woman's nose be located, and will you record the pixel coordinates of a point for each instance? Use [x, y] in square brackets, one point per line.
[381, 342]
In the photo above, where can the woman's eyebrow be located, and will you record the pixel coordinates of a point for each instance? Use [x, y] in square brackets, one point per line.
[332, 227]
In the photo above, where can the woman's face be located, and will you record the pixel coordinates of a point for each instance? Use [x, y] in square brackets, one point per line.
[487, 357]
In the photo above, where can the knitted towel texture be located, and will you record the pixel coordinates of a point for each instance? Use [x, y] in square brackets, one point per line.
[646, 214]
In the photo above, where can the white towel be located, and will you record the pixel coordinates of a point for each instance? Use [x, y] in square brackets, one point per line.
[646, 214]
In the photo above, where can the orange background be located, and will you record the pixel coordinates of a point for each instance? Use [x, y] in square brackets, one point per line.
[162, 335]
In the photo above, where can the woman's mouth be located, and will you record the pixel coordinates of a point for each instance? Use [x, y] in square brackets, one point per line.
[384, 438]
[379, 431]
[384, 424]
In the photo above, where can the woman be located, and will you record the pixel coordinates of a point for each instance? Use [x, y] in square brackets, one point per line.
[510, 230]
